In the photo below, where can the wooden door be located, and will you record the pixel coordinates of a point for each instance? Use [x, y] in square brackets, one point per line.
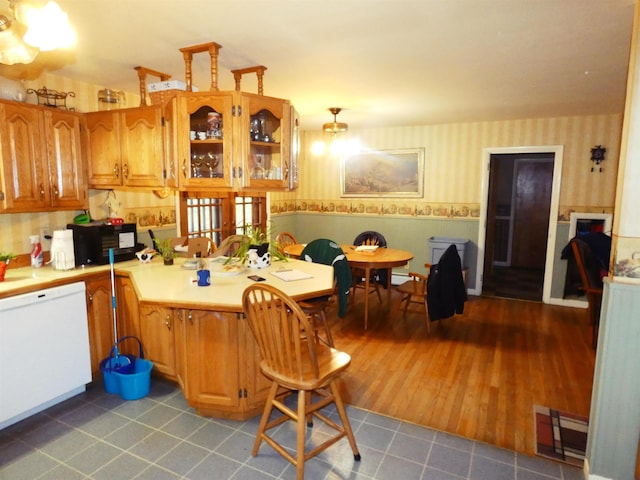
[156, 331]
[25, 187]
[142, 145]
[212, 360]
[533, 181]
[171, 154]
[197, 155]
[257, 384]
[263, 142]
[64, 160]
[103, 149]
[128, 317]
[100, 318]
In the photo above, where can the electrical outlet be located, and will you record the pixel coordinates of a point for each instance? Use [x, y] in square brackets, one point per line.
[45, 238]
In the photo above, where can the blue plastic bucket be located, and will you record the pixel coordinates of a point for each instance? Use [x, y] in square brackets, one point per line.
[116, 365]
[110, 365]
[135, 385]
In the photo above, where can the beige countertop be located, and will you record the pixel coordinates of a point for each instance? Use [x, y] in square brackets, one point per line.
[175, 285]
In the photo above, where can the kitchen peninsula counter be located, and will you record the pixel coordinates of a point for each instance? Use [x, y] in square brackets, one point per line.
[198, 336]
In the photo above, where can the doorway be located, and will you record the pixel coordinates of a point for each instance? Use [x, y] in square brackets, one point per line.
[518, 216]
[517, 225]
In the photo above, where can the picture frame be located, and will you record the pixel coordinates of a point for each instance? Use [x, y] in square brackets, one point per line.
[383, 173]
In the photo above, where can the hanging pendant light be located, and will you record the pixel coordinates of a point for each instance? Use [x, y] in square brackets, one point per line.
[30, 26]
[335, 127]
[12, 48]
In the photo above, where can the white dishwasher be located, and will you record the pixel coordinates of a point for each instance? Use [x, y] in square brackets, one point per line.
[44, 350]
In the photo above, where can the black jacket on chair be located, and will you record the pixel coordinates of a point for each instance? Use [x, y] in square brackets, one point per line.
[446, 292]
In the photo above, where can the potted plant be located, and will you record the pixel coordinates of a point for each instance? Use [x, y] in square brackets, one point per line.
[5, 258]
[165, 249]
[258, 241]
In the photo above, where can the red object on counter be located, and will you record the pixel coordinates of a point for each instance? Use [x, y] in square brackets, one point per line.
[116, 221]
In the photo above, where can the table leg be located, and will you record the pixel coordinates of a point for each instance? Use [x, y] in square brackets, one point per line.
[367, 272]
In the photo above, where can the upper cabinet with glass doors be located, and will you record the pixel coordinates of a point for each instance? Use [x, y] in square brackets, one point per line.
[235, 141]
[206, 141]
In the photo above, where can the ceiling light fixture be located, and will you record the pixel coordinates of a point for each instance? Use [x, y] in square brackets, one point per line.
[335, 127]
[26, 28]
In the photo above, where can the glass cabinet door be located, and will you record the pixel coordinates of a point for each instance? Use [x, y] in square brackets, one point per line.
[269, 133]
[207, 159]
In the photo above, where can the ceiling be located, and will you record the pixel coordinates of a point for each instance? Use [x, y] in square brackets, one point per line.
[385, 62]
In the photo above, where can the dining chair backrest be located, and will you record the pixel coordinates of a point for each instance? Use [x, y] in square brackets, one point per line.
[589, 269]
[284, 239]
[588, 266]
[370, 237]
[200, 247]
[229, 245]
[281, 330]
[328, 252]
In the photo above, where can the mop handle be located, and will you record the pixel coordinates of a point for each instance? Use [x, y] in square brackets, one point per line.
[113, 302]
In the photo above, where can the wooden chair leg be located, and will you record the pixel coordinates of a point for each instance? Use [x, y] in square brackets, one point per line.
[345, 420]
[327, 330]
[300, 433]
[266, 413]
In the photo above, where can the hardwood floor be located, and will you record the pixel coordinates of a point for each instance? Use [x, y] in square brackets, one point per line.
[478, 374]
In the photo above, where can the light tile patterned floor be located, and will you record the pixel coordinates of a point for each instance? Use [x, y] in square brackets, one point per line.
[99, 436]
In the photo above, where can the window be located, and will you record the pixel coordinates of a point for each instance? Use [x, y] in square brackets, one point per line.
[218, 215]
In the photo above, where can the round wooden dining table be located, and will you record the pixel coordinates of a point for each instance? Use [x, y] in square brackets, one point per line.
[380, 259]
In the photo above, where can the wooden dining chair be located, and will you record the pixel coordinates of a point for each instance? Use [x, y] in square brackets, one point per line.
[327, 252]
[200, 247]
[285, 239]
[591, 283]
[414, 291]
[377, 277]
[229, 245]
[294, 362]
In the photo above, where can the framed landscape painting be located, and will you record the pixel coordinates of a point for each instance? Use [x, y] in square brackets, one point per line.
[383, 173]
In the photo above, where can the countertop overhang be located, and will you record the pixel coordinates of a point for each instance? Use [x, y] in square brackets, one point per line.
[175, 285]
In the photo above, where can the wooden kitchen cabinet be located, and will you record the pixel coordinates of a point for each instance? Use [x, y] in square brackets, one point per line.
[126, 147]
[211, 354]
[211, 345]
[157, 325]
[100, 318]
[128, 317]
[236, 141]
[41, 159]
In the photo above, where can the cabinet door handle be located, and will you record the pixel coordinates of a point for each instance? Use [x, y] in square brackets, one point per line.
[184, 168]
[41, 190]
[167, 322]
[90, 297]
[116, 170]
[55, 190]
[190, 317]
[125, 170]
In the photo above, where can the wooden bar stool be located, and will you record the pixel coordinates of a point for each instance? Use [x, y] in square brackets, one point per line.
[187, 52]
[294, 362]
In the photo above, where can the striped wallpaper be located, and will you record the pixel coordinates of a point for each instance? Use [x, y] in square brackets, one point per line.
[453, 159]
